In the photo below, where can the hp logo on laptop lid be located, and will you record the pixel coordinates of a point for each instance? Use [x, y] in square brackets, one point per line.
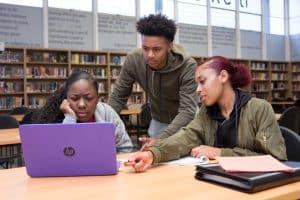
[69, 151]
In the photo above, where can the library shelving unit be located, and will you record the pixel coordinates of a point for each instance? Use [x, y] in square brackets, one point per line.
[29, 75]
[46, 70]
[96, 64]
[11, 79]
[279, 81]
[116, 60]
[295, 83]
[260, 86]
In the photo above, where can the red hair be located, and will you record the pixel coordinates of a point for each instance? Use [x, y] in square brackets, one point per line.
[239, 74]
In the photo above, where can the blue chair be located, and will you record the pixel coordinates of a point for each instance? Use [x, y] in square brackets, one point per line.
[292, 143]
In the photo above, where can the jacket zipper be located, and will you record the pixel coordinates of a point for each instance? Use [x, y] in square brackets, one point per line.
[265, 141]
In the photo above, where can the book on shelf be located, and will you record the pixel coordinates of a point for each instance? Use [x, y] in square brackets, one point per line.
[36, 102]
[11, 102]
[83, 58]
[11, 87]
[258, 66]
[118, 59]
[115, 73]
[101, 87]
[11, 56]
[43, 86]
[46, 71]
[11, 71]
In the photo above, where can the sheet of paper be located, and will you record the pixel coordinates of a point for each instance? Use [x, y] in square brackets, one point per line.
[189, 161]
[264, 163]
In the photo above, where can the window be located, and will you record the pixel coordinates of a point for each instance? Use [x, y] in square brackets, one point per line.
[147, 7]
[229, 4]
[33, 3]
[84, 5]
[294, 7]
[276, 10]
[118, 7]
[250, 22]
[222, 18]
[192, 12]
[168, 8]
[250, 6]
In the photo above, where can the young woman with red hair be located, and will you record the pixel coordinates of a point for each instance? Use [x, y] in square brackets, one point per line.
[230, 122]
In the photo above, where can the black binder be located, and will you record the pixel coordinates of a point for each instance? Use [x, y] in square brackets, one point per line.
[249, 182]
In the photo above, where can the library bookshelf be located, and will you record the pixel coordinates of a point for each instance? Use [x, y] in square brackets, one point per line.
[295, 79]
[29, 75]
[276, 81]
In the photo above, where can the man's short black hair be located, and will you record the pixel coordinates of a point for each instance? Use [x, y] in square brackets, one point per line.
[157, 25]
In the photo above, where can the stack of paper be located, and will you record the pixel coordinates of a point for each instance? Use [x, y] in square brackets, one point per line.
[265, 163]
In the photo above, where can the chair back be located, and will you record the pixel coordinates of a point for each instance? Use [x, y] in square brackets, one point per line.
[7, 121]
[292, 144]
[30, 117]
[19, 111]
[290, 118]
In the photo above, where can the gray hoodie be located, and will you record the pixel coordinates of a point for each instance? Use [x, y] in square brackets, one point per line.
[171, 91]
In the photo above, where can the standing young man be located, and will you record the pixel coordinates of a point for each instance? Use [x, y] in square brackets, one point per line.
[165, 72]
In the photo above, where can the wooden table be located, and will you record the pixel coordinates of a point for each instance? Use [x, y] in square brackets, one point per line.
[135, 111]
[161, 182]
[9, 136]
[18, 117]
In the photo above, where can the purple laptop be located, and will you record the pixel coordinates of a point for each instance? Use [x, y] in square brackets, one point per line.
[80, 149]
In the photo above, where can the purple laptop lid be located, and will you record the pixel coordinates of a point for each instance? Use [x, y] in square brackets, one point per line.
[69, 149]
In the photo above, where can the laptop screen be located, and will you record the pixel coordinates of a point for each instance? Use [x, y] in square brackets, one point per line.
[69, 149]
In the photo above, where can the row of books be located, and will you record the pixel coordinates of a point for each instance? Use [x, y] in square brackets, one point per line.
[36, 102]
[47, 57]
[115, 72]
[11, 87]
[258, 66]
[11, 56]
[77, 58]
[278, 95]
[46, 71]
[102, 87]
[278, 86]
[97, 72]
[260, 76]
[296, 67]
[135, 99]
[279, 76]
[11, 102]
[135, 87]
[296, 87]
[118, 60]
[11, 71]
[296, 77]
[259, 87]
[43, 86]
[279, 67]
